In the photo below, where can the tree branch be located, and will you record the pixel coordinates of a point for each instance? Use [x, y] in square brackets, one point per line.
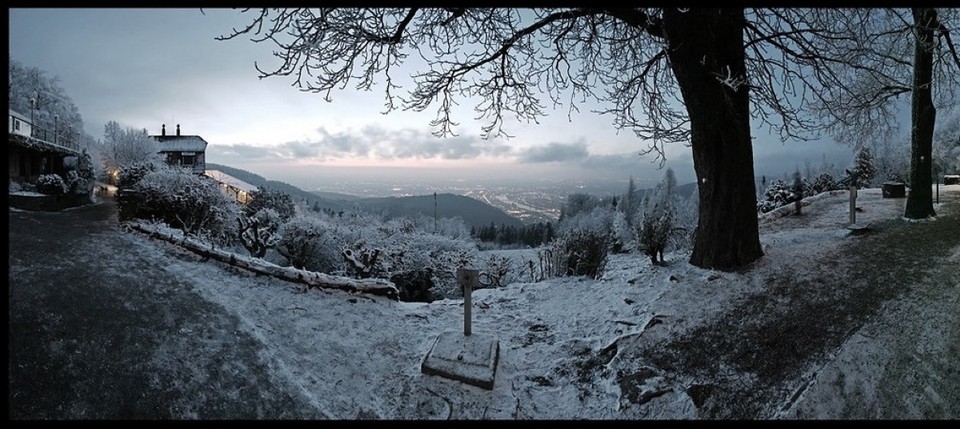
[953, 50]
[638, 19]
[397, 35]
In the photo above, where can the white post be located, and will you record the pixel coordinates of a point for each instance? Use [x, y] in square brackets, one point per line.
[853, 204]
[468, 279]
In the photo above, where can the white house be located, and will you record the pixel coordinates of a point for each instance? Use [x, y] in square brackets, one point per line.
[183, 151]
[19, 124]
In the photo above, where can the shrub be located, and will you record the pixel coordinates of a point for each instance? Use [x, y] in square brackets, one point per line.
[581, 253]
[778, 194]
[823, 183]
[415, 286]
[654, 235]
[308, 243]
[182, 200]
[51, 184]
[259, 232]
[131, 174]
[85, 175]
[268, 198]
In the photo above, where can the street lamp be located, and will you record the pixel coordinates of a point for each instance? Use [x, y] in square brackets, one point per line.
[56, 121]
[33, 109]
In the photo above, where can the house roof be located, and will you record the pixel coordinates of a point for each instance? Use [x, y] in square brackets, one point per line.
[181, 143]
[230, 180]
[19, 115]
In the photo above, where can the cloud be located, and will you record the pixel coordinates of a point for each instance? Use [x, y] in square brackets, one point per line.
[554, 152]
[371, 142]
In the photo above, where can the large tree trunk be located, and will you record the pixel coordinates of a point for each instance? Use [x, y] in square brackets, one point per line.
[923, 118]
[705, 47]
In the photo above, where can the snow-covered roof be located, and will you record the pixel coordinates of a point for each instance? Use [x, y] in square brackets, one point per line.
[19, 115]
[181, 143]
[230, 180]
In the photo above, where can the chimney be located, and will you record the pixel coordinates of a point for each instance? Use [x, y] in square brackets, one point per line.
[178, 129]
[163, 129]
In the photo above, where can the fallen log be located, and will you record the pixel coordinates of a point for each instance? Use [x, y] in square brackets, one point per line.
[379, 287]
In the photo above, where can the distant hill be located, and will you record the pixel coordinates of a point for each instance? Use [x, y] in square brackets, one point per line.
[473, 212]
[335, 196]
[687, 189]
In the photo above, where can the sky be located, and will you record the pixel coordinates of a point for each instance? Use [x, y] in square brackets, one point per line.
[354, 355]
[147, 67]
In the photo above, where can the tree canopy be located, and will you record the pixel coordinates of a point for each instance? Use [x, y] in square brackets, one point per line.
[697, 76]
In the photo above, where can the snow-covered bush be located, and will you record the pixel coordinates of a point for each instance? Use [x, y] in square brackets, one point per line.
[601, 220]
[308, 242]
[15, 186]
[258, 233]
[74, 183]
[778, 194]
[130, 174]
[184, 200]
[824, 182]
[654, 235]
[360, 244]
[268, 198]
[598, 219]
[454, 228]
[577, 253]
[51, 184]
[499, 270]
[80, 181]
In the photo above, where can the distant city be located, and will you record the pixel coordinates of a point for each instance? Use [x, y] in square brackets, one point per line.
[529, 202]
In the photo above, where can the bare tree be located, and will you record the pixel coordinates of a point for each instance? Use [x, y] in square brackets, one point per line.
[723, 66]
[33, 92]
[126, 146]
[915, 50]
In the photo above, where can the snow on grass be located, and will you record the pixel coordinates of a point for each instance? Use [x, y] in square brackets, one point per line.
[28, 194]
[356, 356]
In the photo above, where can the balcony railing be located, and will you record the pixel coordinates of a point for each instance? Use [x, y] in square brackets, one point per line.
[48, 137]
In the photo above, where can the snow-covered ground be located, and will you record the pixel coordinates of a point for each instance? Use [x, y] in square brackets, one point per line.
[27, 194]
[357, 356]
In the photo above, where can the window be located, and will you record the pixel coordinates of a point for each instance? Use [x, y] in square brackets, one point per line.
[188, 160]
[16, 125]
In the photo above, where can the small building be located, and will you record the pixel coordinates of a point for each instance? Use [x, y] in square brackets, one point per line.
[236, 188]
[30, 154]
[183, 150]
[19, 124]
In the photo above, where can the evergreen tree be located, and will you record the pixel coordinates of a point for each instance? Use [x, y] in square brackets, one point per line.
[629, 203]
[864, 167]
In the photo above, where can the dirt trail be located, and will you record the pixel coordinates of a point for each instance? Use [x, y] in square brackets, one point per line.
[904, 363]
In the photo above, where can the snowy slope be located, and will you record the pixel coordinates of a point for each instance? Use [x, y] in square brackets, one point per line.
[355, 356]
